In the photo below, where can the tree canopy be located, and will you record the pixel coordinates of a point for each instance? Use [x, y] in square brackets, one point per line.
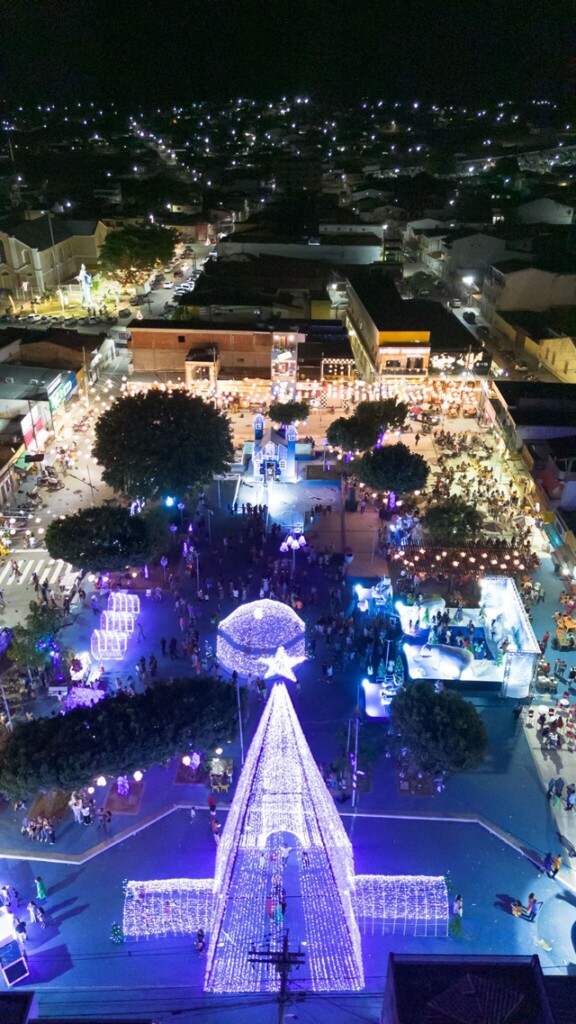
[441, 732]
[288, 412]
[106, 538]
[161, 443]
[117, 735]
[351, 434]
[453, 520]
[362, 430]
[131, 255]
[392, 468]
[30, 644]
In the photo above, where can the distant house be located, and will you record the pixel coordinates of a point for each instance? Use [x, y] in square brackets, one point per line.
[512, 284]
[545, 211]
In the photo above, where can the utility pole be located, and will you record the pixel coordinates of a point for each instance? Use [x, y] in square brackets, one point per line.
[284, 961]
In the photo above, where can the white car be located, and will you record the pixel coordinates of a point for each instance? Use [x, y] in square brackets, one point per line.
[168, 284]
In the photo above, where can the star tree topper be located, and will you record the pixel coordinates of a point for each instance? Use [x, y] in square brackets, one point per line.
[281, 664]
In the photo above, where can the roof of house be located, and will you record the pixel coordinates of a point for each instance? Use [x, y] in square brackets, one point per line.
[536, 325]
[36, 233]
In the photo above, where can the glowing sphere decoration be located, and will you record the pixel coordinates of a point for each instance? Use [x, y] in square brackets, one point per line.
[250, 638]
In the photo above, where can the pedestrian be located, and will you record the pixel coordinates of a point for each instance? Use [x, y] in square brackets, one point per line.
[532, 907]
[284, 854]
[100, 818]
[32, 910]
[416, 439]
[173, 648]
[200, 941]
[547, 864]
[86, 816]
[544, 642]
[211, 803]
[270, 908]
[215, 826]
[141, 635]
[41, 891]
[20, 929]
[517, 909]
[458, 906]
[5, 896]
[107, 822]
[163, 645]
[41, 917]
[556, 865]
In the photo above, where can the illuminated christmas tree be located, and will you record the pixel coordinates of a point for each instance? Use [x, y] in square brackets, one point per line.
[282, 804]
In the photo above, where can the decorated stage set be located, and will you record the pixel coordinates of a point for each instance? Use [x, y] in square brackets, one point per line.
[283, 861]
[491, 643]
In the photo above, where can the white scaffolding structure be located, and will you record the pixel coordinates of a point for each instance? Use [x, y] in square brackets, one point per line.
[173, 906]
[402, 904]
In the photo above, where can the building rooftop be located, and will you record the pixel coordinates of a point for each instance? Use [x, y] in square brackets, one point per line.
[535, 324]
[391, 313]
[36, 233]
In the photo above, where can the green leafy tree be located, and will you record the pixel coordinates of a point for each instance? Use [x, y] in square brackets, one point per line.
[103, 538]
[161, 443]
[392, 468]
[441, 732]
[351, 434]
[131, 255]
[117, 735]
[454, 520]
[382, 414]
[362, 430]
[29, 644]
[286, 413]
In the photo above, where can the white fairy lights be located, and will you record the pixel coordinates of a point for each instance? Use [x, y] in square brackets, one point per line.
[413, 904]
[281, 790]
[254, 632]
[175, 906]
[283, 832]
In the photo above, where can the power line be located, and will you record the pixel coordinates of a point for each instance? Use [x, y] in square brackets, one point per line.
[283, 961]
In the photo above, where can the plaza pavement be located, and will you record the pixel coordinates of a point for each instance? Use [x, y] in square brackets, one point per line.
[73, 961]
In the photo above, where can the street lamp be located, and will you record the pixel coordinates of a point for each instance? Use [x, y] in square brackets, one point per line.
[469, 282]
[293, 542]
[164, 563]
[384, 230]
[181, 507]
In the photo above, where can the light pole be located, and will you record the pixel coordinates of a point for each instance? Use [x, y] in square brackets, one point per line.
[469, 282]
[209, 514]
[181, 507]
[240, 726]
[164, 563]
[384, 230]
[293, 542]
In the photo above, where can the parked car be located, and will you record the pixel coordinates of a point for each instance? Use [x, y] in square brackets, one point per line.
[168, 284]
[521, 365]
[34, 318]
[455, 303]
[469, 316]
[94, 320]
[123, 313]
[483, 331]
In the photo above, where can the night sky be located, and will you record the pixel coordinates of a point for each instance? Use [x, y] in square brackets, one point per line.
[177, 51]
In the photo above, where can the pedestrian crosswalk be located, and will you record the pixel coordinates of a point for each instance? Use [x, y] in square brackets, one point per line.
[47, 569]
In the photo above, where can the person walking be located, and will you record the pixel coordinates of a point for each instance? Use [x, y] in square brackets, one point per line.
[556, 865]
[141, 635]
[76, 808]
[5, 897]
[458, 906]
[107, 822]
[416, 439]
[41, 891]
[20, 929]
[532, 907]
[32, 911]
[547, 864]
[86, 815]
[163, 645]
[544, 642]
[41, 917]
